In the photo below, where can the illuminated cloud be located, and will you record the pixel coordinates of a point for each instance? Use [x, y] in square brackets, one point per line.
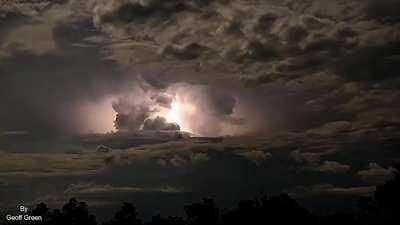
[258, 157]
[376, 173]
[91, 189]
[193, 108]
[328, 190]
[289, 79]
[333, 167]
[159, 123]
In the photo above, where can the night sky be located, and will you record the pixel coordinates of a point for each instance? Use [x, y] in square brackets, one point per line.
[162, 103]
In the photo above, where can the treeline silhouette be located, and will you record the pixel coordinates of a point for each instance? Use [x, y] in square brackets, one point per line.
[380, 209]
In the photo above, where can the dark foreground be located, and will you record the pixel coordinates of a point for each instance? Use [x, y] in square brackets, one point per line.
[382, 208]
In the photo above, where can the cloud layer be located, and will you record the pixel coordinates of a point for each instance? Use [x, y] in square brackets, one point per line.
[300, 96]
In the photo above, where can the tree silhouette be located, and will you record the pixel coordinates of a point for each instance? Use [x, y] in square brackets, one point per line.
[158, 220]
[384, 206]
[126, 216]
[280, 209]
[75, 213]
[42, 210]
[338, 218]
[205, 212]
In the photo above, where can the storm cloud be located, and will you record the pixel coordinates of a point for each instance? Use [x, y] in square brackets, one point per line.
[159, 123]
[177, 106]
[292, 52]
[192, 98]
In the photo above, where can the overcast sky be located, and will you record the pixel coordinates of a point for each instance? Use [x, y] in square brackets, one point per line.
[304, 93]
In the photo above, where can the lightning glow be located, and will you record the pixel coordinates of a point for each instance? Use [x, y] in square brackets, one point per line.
[180, 112]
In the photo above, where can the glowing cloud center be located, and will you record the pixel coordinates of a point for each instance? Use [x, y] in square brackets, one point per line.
[180, 113]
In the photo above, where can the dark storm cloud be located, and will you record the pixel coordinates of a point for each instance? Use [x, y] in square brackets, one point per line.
[154, 80]
[384, 10]
[328, 190]
[301, 54]
[135, 109]
[273, 42]
[230, 168]
[314, 82]
[159, 123]
[44, 87]
[9, 18]
[376, 174]
[333, 167]
[223, 103]
[385, 60]
[94, 189]
[130, 117]
[128, 11]
[163, 100]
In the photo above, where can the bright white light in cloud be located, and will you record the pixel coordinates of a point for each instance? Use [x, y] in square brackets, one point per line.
[198, 109]
[178, 113]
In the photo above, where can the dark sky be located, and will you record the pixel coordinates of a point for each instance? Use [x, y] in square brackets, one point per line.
[305, 95]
